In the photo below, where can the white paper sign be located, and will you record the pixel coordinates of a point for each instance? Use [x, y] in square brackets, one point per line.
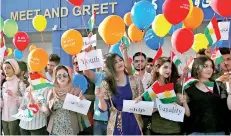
[142, 107]
[172, 111]
[2, 51]
[22, 115]
[90, 60]
[73, 103]
[224, 30]
[89, 41]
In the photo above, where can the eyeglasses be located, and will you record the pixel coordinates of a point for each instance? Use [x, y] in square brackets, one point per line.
[60, 76]
[75, 63]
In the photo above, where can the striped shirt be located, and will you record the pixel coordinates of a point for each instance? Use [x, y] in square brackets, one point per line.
[40, 119]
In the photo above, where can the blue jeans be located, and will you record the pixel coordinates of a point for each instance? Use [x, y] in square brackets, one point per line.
[211, 133]
[100, 127]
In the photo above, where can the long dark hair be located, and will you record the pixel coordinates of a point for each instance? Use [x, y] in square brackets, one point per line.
[110, 79]
[174, 74]
[198, 65]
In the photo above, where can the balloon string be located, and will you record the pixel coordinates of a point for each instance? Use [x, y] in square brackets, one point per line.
[42, 38]
[140, 66]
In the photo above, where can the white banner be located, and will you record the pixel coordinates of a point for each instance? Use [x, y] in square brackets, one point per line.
[172, 111]
[22, 115]
[90, 60]
[73, 103]
[142, 107]
[89, 41]
[224, 30]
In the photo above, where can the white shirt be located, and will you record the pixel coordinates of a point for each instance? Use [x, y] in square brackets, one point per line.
[49, 77]
[40, 119]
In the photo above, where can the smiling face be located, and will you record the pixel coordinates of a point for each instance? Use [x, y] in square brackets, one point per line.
[62, 77]
[165, 70]
[207, 70]
[119, 64]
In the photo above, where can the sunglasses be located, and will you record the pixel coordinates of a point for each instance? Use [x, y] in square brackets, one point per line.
[75, 63]
[60, 76]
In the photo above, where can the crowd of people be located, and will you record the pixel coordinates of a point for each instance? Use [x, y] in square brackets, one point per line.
[205, 112]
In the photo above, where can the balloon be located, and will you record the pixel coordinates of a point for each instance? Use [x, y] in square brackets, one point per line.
[135, 34]
[76, 2]
[112, 29]
[195, 19]
[191, 7]
[143, 14]
[9, 50]
[21, 40]
[152, 40]
[72, 41]
[116, 49]
[17, 54]
[32, 47]
[128, 19]
[161, 26]
[39, 23]
[175, 27]
[10, 28]
[200, 42]
[37, 60]
[80, 81]
[182, 39]
[175, 11]
[2, 40]
[1, 24]
[221, 7]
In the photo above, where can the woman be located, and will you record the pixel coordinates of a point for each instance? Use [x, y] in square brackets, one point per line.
[165, 73]
[208, 110]
[11, 98]
[116, 88]
[62, 121]
[38, 124]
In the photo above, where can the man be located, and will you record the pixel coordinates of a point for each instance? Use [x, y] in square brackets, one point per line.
[54, 60]
[139, 63]
[149, 66]
[23, 70]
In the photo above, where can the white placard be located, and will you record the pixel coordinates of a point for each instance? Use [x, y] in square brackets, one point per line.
[2, 51]
[172, 111]
[90, 60]
[142, 107]
[22, 115]
[89, 41]
[224, 30]
[73, 103]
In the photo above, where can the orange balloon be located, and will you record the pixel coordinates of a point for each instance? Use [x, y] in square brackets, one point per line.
[128, 19]
[195, 19]
[37, 60]
[135, 34]
[32, 47]
[112, 29]
[72, 42]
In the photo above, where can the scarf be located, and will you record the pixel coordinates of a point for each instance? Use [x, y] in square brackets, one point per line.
[11, 78]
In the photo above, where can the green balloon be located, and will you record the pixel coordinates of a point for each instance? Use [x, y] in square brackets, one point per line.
[1, 24]
[10, 28]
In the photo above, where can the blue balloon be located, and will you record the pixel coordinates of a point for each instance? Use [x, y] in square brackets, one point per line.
[80, 81]
[18, 54]
[175, 27]
[143, 14]
[116, 49]
[152, 40]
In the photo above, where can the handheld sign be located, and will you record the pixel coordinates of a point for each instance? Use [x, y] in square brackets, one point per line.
[142, 107]
[73, 103]
[89, 41]
[90, 60]
[224, 30]
[171, 111]
[23, 115]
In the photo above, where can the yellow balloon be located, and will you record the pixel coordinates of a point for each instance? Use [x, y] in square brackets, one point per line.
[39, 23]
[190, 6]
[200, 42]
[32, 47]
[9, 51]
[161, 26]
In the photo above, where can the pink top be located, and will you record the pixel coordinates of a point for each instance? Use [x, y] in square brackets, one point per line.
[10, 103]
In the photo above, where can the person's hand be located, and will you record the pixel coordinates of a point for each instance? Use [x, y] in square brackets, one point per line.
[224, 78]
[30, 97]
[89, 48]
[9, 92]
[138, 99]
[18, 103]
[99, 92]
[39, 103]
[182, 99]
[81, 96]
[90, 35]
[123, 48]
[186, 70]
[154, 110]
[23, 107]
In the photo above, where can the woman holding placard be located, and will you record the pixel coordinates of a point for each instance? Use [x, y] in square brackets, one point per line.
[208, 110]
[116, 87]
[165, 72]
[62, 121]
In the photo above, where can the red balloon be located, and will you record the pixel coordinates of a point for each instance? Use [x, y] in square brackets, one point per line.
[221, 7]
[21, 40]
[182, 39]
[76, 2]
[175, 11]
